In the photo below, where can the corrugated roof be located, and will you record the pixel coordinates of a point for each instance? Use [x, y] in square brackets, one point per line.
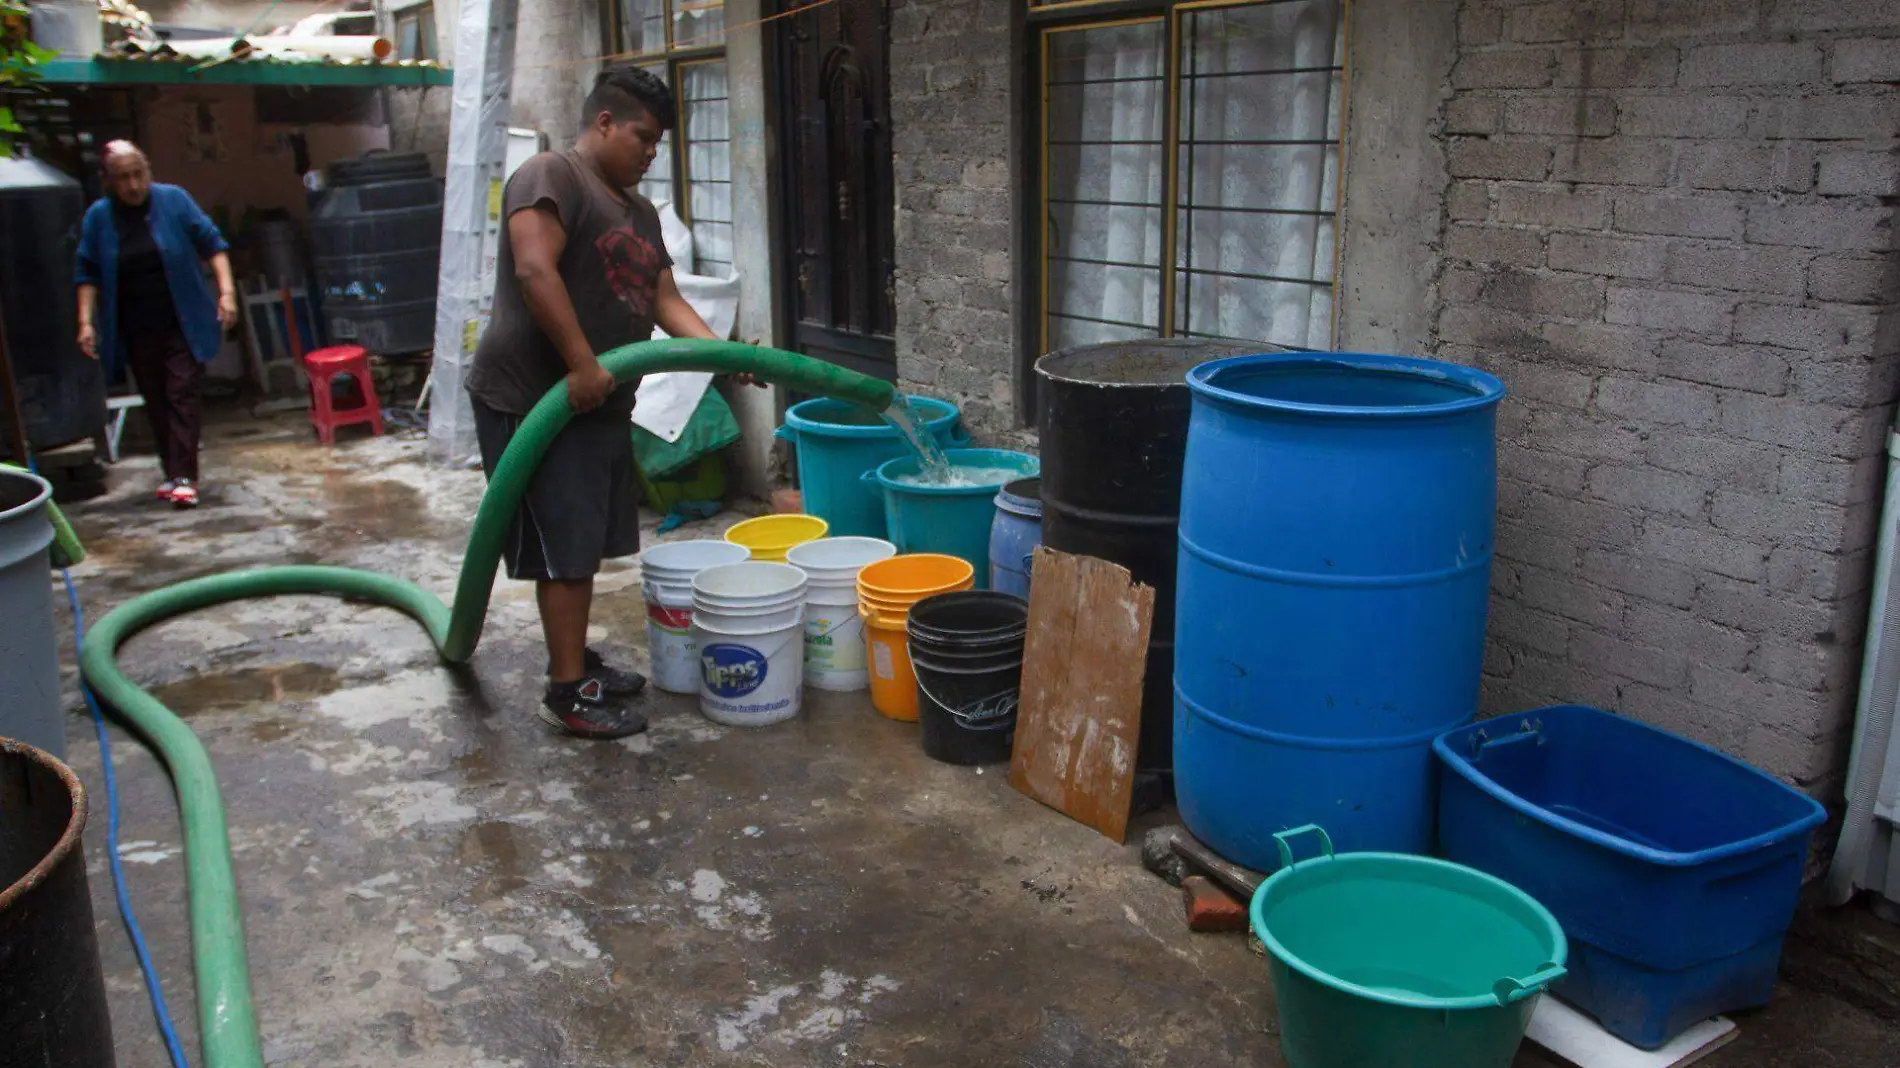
[257, 68]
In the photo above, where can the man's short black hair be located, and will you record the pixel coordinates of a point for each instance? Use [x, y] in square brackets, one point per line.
[623, 87]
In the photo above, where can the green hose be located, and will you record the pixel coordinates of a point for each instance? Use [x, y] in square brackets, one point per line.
[227, 1018]
[66, 548]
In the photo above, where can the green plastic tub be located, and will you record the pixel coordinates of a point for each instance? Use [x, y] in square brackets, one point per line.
[1382, 960]
[953, 520]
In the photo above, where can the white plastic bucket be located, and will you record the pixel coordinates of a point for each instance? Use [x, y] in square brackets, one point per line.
[670, 646]
[666, 573]
[834, 632]
[676, 562]
[748, 627]
[750, 598]
[749, 679]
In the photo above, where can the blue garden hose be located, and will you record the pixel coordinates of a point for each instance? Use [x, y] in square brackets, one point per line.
[172, 1046]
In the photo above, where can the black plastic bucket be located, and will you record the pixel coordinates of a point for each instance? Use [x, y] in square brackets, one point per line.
[967, 649]
[53, 1010]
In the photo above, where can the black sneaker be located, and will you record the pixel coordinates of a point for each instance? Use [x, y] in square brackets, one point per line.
[616, 682]
[584, 710]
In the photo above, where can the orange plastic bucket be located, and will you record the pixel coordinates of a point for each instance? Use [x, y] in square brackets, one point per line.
[886, 590]
[893, 681]
[911, 577]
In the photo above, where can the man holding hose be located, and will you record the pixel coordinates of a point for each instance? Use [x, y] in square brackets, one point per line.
[581, 269]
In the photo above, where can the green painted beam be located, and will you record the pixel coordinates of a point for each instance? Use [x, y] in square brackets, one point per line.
[178, 70]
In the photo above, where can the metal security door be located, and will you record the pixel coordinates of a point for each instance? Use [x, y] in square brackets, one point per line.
[834, 94]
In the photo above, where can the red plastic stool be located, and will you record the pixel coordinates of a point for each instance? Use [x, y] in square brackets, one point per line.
[323, 365]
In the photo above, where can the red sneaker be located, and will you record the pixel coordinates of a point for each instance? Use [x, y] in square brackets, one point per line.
[184, 494]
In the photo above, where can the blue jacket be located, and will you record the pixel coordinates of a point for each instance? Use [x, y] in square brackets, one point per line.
[185, 237]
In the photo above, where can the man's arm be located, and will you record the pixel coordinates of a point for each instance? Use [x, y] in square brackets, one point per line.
[678, 319]
[675, 315]
[536, 238]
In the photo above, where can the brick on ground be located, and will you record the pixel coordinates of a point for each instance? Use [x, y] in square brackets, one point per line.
[1210, 908]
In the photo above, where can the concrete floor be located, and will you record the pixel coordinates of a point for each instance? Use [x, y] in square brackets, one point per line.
[431, 878]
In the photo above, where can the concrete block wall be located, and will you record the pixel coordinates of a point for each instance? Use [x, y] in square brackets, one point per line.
[950, 115]
[1669, 228]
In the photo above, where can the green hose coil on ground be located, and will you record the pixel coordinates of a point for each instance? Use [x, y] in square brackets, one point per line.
[227, 1016]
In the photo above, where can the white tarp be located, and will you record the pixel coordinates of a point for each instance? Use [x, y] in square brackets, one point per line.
[478, 142]
[665, 402]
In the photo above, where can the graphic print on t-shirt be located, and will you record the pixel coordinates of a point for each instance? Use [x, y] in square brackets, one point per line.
[632, 266]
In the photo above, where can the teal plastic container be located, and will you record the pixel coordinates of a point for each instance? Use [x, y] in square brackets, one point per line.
[1381, 960]
[953, 520]
[838, 442]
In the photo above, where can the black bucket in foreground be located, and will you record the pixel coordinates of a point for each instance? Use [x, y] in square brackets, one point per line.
[53, 1011]
[967, 649]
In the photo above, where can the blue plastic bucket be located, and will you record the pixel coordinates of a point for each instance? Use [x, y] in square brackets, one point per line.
[837, 442]
[1335, 559]
[952, 520]
[1014, 535]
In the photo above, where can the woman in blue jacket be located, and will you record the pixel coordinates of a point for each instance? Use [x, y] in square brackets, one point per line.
[143, 302]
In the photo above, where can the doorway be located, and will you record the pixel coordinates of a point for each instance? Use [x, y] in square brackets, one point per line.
[836, 269]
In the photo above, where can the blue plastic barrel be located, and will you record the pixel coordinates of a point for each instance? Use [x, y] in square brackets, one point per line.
[1336, 526]
[1014, 535]
[838, 442]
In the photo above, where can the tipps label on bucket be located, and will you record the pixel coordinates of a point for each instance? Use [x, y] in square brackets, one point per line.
[733, 670]
[741, 685]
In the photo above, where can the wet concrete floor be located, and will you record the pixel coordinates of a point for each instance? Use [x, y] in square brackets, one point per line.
[431, 878]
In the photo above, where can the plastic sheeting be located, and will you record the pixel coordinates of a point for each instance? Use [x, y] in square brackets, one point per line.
[471, 212]
[664, 403]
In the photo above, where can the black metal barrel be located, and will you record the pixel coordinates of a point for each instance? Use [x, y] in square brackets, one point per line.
[54, 1006]
[1114, 423]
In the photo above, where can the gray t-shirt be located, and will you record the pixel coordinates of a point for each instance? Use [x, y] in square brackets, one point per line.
[611, 265]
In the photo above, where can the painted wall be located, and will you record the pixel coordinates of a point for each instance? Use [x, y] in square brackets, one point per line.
[553, 39]
[235, 15]
[209, 140]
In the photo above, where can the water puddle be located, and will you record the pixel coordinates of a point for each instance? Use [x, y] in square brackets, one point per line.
[243, 687]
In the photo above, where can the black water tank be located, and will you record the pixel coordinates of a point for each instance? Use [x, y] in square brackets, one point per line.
[1113, 424]
[377, 235]
[62, 393]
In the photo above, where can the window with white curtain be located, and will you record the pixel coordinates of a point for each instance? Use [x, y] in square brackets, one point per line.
[706, 139]
[684, 43]
[1190, 170]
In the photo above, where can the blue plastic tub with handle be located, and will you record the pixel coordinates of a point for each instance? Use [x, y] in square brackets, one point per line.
[1674, 869]
[953, 520]
[838, 442]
